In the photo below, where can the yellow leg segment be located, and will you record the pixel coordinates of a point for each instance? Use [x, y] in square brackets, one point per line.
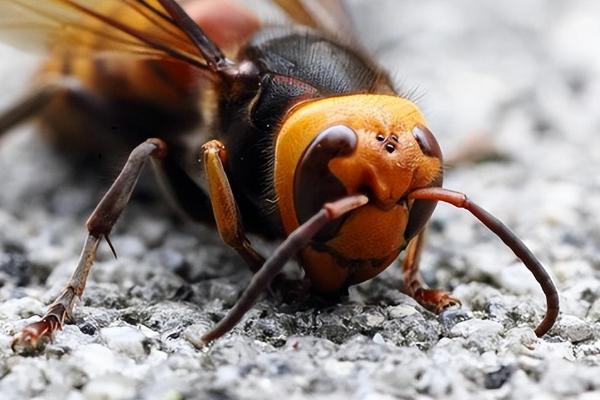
[227, 215]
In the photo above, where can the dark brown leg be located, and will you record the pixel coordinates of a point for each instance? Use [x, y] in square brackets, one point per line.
[272, 267]
[510, 239]
[34, 103]
[434, 299]
[227, 215]
[99, 226]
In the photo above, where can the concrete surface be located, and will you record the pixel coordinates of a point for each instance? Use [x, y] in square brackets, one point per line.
[522, 75]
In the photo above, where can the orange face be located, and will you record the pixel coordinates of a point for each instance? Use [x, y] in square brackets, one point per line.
[372, 144]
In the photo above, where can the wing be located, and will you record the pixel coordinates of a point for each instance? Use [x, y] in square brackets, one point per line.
[144, 28]
[330, 16]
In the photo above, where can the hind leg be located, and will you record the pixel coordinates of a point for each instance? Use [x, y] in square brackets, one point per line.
[28, 107]
[37, 101]
[433, 299]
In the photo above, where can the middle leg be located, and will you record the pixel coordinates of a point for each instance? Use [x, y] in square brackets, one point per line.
[99, 226]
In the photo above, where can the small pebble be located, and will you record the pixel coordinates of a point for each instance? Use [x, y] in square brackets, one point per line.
[125, 339]
[573, 329]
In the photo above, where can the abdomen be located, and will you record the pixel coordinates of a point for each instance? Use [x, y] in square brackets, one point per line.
[124, 99]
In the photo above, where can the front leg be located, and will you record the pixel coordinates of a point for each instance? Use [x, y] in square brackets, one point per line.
[227, 215]
[436, 300]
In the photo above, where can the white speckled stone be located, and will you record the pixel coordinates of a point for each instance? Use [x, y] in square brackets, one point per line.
[573, 329]
[125, 339]
[476, 326]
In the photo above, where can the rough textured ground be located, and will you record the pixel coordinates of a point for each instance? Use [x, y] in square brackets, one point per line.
[524, 75]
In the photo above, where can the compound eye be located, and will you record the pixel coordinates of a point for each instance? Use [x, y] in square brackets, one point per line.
[314, 184]
[422, 209]
[427, 142]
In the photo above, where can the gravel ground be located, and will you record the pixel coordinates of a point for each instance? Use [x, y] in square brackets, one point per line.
[521, 75]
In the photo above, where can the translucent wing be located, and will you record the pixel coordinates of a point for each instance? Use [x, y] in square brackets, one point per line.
[117, 27]
[330, 16]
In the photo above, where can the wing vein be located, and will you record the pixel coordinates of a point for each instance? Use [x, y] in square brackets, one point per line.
[138, 28]
[139, 35]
